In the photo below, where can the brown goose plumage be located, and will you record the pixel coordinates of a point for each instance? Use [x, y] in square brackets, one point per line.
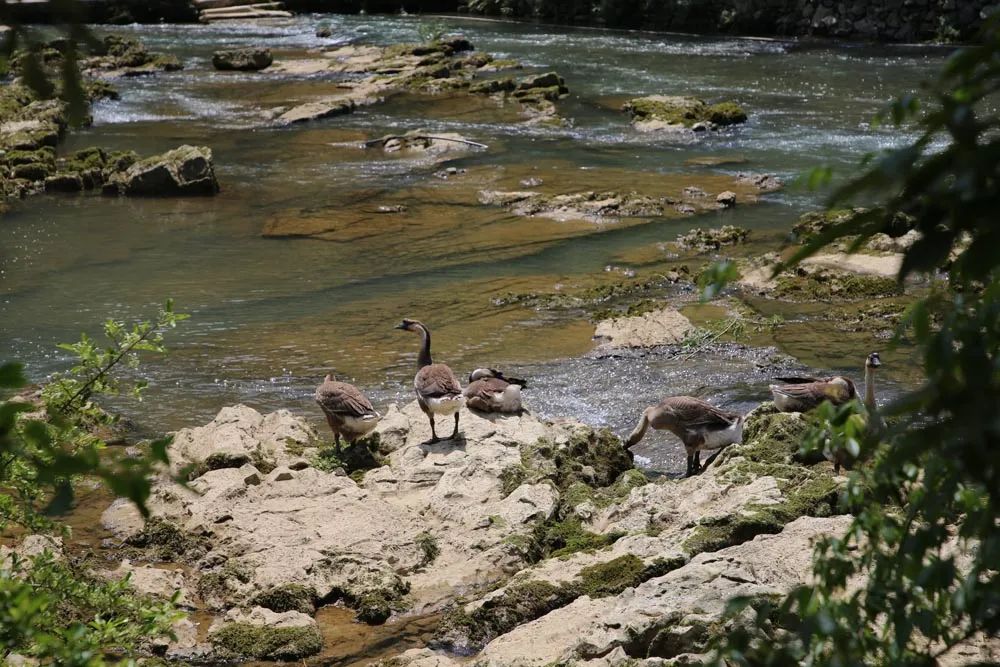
[348, 411]
[489, 391]
[438, 390]
[698, 424]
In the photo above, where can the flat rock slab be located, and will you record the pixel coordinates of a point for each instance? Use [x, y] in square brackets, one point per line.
[659, 327]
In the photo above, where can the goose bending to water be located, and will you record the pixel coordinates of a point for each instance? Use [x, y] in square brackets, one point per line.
[437, 388]
[348, 412]
[698, 424]
[489, 390]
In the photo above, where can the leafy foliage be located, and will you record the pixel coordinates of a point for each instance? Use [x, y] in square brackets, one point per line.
[48, 608]
[51, 610]
[922, 548]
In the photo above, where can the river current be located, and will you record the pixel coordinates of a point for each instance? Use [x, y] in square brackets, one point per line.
[271, 316]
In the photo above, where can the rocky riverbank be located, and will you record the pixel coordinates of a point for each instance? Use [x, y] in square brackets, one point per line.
[528, 535]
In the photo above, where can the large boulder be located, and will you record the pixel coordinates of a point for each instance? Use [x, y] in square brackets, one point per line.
[272, 516]
[249, 59]
[665, 326]
[665, 112]
[183, 171]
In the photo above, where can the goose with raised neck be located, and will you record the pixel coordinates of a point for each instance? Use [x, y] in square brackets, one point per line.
[438, 390]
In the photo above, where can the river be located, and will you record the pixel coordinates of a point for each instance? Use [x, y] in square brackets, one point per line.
[271, 316]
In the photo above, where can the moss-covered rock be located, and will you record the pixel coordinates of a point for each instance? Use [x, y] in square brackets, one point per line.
[594, 457]
[808, 284]
[290, 597]
[683, 111]
[354, 459]
[162, 540]
[771, 444]
[246, 640]
[466, 631]
[222, 585]
[711, 240]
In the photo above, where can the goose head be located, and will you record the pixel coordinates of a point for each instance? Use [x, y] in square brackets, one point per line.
[409, 325]
[873, 361]
[483, 373]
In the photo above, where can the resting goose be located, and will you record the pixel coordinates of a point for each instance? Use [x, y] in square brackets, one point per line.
[803, 394]
[348, 412]
[437, 388]
[490, 391]
[698, 424]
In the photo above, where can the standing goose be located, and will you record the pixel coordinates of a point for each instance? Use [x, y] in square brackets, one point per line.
[348, 411]
[437, 388]
[490, 391]
[871, 363]
[698, 424]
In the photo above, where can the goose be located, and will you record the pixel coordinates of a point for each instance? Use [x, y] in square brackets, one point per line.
[698, 424]
[348, 411]
[801, 394]
[871, 364]
[490, 391]
[437, 388]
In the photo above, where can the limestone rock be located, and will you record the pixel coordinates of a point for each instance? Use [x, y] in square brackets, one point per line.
[250, 59]
[665, 112]
[239, 435]
[669, 615]
[159, 582]
[183, 171]
[659, 327]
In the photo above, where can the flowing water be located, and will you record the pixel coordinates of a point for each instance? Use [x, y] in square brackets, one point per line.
[271, 316]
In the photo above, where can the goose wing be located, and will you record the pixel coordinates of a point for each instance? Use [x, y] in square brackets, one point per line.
[485, 388]
[694, 413]
[344, 399]
[436, 381]
[800, 379]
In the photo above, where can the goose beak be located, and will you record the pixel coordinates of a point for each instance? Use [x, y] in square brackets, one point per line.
[400, 326]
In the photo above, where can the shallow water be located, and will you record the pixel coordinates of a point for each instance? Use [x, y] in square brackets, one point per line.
[271, 316]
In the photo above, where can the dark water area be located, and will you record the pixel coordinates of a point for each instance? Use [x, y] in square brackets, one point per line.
[270, 316]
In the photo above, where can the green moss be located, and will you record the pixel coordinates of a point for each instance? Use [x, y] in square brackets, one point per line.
[217, 587]
[520, 602]
[32, 171]
[578, 492]
[512, 477]
[244, 640]
[821, 285]
[374, 607]
[162, 540]
[562, 538]
[429, 546]
[686, 111]
[504, 63]
[44, 155]
[354, 459]
[594, 457]
[290, 597]
[628, 571]
[526, 600]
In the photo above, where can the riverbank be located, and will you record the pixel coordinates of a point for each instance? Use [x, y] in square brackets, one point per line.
[880, 20]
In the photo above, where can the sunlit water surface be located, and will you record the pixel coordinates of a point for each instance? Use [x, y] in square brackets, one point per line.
[271, 316]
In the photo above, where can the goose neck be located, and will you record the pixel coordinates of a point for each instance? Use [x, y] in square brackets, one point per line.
[424, 358]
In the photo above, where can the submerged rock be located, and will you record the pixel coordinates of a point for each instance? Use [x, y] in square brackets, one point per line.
[250, 59]
[183, 171]
[664, 112]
